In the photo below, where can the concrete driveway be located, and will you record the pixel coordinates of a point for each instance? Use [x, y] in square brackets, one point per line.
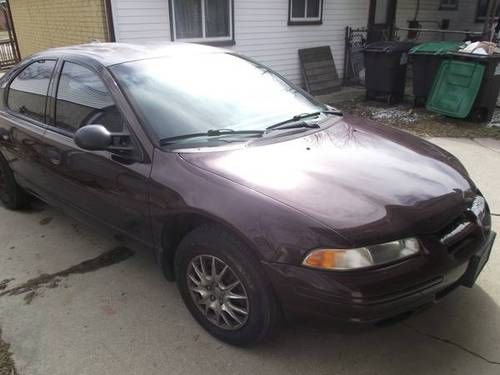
[117, 315]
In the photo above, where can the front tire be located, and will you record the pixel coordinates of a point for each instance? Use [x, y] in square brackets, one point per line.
[224, 287]
[11, 194]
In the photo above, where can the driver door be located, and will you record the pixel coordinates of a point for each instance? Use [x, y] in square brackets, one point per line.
[96, 185]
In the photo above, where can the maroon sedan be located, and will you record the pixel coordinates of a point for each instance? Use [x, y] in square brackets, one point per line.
[259, 201]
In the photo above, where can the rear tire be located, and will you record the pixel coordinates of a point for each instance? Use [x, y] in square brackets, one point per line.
[256, 310]
[11, 194]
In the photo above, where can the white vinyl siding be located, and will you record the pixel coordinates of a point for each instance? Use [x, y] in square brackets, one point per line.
[462, 19]
[139, 21]
[261, 29]
[262, 32]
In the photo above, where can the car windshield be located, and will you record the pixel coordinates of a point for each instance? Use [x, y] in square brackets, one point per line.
[184, 95]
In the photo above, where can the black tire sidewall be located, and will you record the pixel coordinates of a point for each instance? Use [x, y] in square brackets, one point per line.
[7, 197]
[262, 314]
[15, 198]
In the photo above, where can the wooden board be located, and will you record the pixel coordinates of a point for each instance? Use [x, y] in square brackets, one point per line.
[319, 71]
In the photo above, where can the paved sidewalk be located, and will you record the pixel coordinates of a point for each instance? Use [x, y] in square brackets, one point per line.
[119, 316]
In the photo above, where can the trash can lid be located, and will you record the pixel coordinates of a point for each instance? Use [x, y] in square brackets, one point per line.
[436, 48]
[495, 58]
[389, 46]
[455, 88]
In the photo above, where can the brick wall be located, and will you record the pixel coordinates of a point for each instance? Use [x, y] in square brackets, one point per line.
[41, 24]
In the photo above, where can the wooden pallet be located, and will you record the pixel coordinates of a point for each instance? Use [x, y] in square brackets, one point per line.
[319, 71]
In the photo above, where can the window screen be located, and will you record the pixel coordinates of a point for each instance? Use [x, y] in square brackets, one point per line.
[305, 11]
[202, 19]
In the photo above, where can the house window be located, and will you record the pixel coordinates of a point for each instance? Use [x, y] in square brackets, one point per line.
[482, 10]
[448, 5]
[202, 20]
[305, 12]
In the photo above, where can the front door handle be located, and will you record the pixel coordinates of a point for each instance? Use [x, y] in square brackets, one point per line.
[54, 157]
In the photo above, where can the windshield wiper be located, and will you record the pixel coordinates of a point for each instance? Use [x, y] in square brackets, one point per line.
[301, 124]
[294, 125]
[209, 133]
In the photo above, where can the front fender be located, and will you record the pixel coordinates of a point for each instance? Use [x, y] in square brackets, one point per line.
[273, 230]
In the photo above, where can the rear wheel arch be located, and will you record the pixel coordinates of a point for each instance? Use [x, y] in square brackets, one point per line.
[12, 195]
[178, 226]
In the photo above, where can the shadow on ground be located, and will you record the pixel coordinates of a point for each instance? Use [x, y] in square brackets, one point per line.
[463, 327]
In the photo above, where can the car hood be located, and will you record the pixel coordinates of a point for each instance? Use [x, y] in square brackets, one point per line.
[367, 182]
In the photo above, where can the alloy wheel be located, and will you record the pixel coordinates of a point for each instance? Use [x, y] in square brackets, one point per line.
[218, 292]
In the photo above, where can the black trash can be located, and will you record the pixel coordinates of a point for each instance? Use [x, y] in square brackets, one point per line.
[486, 99]
[386, 64]
[426, 59]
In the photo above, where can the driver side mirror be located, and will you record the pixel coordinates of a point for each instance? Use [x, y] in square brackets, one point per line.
[98, 138]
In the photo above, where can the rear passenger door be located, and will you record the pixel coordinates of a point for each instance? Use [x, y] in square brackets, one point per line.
[98, 184]
[22, 123]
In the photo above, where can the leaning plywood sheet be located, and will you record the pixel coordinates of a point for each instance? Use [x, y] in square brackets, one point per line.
[319, 71]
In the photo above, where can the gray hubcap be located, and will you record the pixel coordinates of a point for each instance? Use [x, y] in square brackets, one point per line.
[217, 292]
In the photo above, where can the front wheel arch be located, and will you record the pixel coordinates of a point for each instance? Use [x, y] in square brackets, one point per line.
[178, 226]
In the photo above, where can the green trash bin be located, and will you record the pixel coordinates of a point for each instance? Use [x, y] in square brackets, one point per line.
[426, 59]
[455, 88]
[486, 99]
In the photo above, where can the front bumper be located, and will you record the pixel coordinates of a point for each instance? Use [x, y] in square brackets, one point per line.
[380, 294]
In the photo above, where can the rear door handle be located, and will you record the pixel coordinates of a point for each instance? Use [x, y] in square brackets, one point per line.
[4, 135]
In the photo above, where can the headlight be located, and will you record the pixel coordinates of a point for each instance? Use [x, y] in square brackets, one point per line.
[349, 259]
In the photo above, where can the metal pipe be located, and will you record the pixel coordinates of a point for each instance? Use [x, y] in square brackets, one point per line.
[441, 31]
[490, 15]
[417, 10]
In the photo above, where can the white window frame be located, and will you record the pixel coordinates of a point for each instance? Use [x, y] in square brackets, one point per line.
[305, 19]
[204, 38]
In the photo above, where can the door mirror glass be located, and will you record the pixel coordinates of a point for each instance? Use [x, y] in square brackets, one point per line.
[93, 138]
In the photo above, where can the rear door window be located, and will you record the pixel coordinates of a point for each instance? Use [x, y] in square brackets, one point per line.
[28, 91]
[83, 99]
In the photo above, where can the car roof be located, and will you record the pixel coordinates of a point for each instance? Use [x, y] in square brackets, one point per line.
[117, 53]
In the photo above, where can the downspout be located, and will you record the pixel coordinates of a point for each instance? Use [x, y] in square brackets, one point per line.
[417, 11]
[493, 25]
[414, 24]
[490, 17]
[108, 14]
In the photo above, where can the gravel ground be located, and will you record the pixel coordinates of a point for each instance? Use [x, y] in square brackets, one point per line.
[419, 121]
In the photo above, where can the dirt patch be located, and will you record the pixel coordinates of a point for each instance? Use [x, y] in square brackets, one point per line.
[4, 283]
[32, 286]
[7, 366]
[46, 220]
[418, 120]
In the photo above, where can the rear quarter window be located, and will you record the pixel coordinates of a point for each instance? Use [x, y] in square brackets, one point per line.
[28, 91]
